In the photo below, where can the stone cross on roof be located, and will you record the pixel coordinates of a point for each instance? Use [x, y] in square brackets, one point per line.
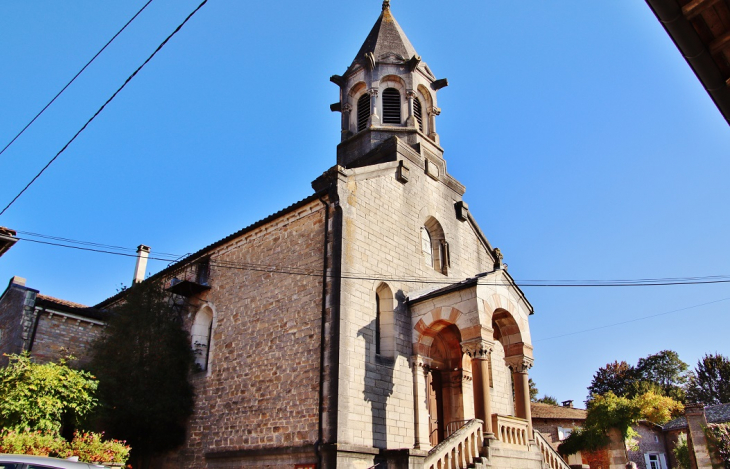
[386, 5]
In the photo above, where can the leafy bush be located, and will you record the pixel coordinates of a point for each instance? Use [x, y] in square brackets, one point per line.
[681, 452]
[89, 447]
[39, 396]
[719, 439]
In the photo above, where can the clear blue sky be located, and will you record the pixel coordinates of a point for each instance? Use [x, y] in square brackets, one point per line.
[588, 148]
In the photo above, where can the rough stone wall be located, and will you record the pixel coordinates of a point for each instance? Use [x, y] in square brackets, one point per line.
[650, 441]
[58, 336]
[381, 240]
[502, 401]
[671, 439]
[549, 428]
[259, 398]
[12, 321]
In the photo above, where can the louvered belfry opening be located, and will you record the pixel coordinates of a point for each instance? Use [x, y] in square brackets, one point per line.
[417, 113]
[391, 106]
[363, 112]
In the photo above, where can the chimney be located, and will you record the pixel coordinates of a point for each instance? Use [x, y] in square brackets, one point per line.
[568, 404]
[143, 253]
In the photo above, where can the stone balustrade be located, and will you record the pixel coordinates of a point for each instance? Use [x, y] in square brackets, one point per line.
[511, 431]
[549, 456]
[459, 450]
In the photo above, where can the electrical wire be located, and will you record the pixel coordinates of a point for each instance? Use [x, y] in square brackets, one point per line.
[74, 78]
[376, 277]
[104, 105]
[632, 320]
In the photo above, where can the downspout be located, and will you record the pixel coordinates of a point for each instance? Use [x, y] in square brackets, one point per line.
[35, 328]
[322, 344]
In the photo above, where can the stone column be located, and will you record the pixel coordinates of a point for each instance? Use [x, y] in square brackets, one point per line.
[421, 368]
[433, 111]
[374, 117]
[411, 120]
[519, 365]
[480, 351]
[346, 110]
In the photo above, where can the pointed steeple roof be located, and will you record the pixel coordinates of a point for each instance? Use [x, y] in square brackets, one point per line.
[385, 38]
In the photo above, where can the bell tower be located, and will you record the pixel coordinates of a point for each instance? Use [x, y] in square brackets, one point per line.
[387, 91]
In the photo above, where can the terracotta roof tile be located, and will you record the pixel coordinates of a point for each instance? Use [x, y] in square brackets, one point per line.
[547, 411]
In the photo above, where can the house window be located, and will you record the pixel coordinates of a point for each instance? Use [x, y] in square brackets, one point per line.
[391, 106]
[363, 112]
[201, 336]
[564, 433]
[655, 461]
[418, 113]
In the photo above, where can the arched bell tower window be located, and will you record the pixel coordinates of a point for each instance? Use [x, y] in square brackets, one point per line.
[418, 113]
[434, 246]
[363, 112]
[391, 106]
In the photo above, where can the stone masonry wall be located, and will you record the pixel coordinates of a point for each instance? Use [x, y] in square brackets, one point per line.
[650, 440]
[59, 335]
[381, 240]
[259, 398]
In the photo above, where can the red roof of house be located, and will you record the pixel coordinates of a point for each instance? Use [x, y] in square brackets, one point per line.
[547, 411]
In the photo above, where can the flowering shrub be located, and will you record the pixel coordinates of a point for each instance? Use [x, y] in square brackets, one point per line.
[719, 436]
[89, 447]
[36, 443]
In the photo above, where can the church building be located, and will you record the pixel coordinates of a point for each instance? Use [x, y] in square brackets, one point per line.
[371, 324]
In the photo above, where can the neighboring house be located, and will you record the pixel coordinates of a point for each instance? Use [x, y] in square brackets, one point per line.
[7, 239]
[651, 448]
[691, 425]
[556, 423]
[701, 31]
[47, 328]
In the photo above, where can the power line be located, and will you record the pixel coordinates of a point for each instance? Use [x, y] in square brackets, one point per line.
[90, 243]
[376, 277]
[74, 78]
[104, 105]
[632, 320]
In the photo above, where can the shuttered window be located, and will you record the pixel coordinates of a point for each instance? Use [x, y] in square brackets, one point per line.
[363, 112]
[391, 106]
[418, 113]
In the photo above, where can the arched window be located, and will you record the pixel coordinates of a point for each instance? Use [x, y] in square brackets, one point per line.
[391, 106]
[434, 246]
[384, 322]
[363, 112]
[201, 336]
[418, 113]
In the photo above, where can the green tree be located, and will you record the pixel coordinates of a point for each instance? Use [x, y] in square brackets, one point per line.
[710, 381]
[547, 400]
[667, 371]
[533, 390]
[609, 411]
[143, 363]
[43, 396]
[616, 377]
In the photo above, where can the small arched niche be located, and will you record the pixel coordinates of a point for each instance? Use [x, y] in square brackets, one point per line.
[201, 334]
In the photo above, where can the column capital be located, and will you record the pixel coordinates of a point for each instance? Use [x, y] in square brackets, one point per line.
[419, 361]
[346, 107]
[519, 363]
[477, 348]
[411, 93]
[373, 92]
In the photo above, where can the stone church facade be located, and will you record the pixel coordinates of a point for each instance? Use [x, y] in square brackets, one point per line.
[371, 324]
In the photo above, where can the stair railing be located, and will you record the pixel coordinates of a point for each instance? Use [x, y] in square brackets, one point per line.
[459, 450]
[549, 456]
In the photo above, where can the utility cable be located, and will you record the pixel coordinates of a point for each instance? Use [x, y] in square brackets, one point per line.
[74, 78]
[376, 277]
[632, 320]
[104, 105]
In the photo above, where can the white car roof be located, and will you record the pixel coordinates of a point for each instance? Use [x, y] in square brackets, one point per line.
[44, 461]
